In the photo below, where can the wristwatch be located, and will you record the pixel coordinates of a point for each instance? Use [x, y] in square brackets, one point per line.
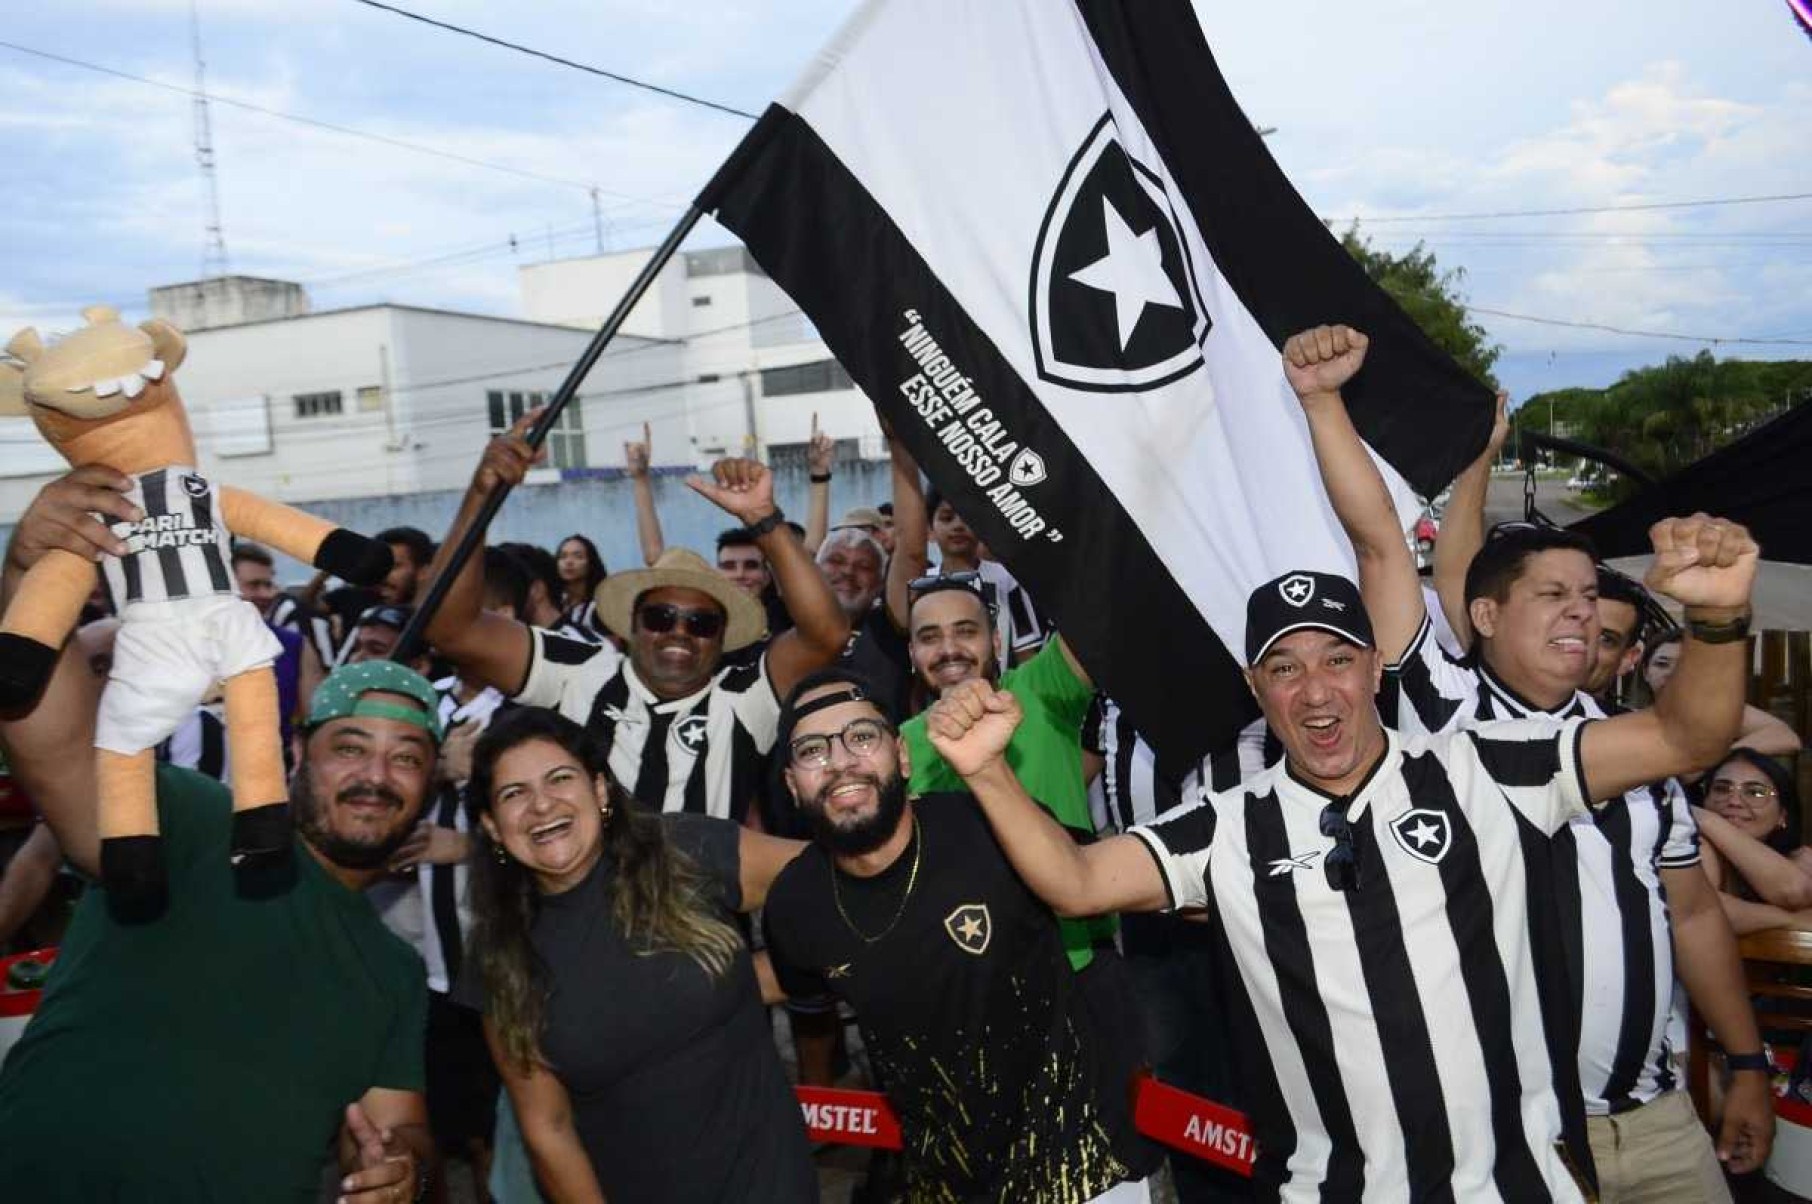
[762, 526]
[1749, 1061]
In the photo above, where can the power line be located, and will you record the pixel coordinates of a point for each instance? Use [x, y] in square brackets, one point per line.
[631, 81]
[316, 123]
[1582, 209]
[1647, 334]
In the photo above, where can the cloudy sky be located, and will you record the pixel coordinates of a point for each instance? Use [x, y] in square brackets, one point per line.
[375, 158]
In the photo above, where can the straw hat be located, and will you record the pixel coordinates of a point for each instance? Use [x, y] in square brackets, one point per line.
[681, 568]
[862, 517]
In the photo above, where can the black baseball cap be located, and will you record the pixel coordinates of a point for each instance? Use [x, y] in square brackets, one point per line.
[1304, 600]
[386, 616]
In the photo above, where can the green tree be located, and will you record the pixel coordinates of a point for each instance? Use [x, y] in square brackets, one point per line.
[1666, 416]
[1431, 297]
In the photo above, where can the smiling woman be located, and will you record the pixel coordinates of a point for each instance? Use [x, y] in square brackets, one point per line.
[620, 1001]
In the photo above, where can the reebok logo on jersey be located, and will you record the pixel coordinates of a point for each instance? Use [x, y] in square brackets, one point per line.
[1289, 865]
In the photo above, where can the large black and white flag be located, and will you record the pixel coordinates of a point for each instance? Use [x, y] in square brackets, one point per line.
[1043, 237]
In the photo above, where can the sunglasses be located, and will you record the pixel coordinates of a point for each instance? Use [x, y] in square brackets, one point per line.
[662, 617]
[1342, 861]
[969, 581]
[860, 738]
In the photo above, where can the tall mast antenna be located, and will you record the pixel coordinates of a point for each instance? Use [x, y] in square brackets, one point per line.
[214, 252]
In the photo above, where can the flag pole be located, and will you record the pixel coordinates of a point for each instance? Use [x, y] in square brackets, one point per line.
[410, 643]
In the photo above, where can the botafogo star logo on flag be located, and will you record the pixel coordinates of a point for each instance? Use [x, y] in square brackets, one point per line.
[1114, 302]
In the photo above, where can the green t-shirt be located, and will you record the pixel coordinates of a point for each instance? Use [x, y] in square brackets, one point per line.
[208, 1056]
[1045, 753]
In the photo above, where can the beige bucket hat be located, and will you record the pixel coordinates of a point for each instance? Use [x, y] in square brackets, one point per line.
[681, 568]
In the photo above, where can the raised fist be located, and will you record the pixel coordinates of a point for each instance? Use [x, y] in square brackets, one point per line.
[1703, 562]
[1318, 361]
[971, 725]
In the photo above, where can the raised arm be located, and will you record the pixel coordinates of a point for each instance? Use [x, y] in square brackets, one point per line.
[1708, 565]
[911, 531]
[1317, 363]
[488, 648]
[1463, 527]
[970, 727]
[60, 521]
[818, 456]
[1767, 734]
[745, 490]
[636, 458]
[312, 540]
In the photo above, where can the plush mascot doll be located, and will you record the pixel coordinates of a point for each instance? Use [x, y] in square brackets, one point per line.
[105, 395]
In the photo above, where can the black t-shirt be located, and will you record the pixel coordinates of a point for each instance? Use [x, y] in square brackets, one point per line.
[677, 1090]
[972, 1015]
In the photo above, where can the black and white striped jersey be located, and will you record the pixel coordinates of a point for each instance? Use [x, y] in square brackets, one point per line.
[180, 549]
[702, 753]
[581, 623]
[1400, 1038]
[1609, 886]
[200, 744]
[1130, 789]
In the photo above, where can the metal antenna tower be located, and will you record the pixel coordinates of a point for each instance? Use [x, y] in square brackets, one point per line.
[213, 252]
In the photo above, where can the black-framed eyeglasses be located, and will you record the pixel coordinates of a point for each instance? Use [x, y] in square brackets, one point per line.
[661, 617]
[860, 738]
[1342, 861]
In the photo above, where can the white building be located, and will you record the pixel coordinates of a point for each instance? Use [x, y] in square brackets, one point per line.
[380, 399]
[758, 369]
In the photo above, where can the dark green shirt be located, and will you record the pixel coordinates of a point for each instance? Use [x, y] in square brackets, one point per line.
[207, 1056]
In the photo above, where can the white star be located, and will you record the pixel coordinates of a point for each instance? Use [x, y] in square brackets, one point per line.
[1132, 270]
[1423, 834]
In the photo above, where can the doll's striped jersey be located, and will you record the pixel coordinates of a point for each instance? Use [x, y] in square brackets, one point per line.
[180, 549]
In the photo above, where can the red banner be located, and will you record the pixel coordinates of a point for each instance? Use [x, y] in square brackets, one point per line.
[849, 1117]
[1203, 1128]
[1212, 1132]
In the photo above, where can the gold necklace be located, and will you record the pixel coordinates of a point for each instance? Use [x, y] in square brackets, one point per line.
[912, 878]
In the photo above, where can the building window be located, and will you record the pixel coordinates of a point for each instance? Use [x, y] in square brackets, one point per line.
[782, 456]
[565, 443]
[371, 398]
[315, 405]
[700, 302]
[824, 376]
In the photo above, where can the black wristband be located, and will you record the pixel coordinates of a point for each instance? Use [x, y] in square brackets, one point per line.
[353, 557]
[1749, 1061]
[1719, 631]
[763, 526]
[819, 478]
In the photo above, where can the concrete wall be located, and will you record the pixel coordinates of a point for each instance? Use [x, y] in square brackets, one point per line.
[600, 506]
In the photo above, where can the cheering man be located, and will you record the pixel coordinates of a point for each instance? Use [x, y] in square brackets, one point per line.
[1382, 900]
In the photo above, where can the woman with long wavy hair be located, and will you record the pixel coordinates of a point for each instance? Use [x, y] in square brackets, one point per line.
[621, 1004]
[581, 571]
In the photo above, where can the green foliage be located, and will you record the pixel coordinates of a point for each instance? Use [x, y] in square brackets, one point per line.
[1664, 417]
[1431, 297]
